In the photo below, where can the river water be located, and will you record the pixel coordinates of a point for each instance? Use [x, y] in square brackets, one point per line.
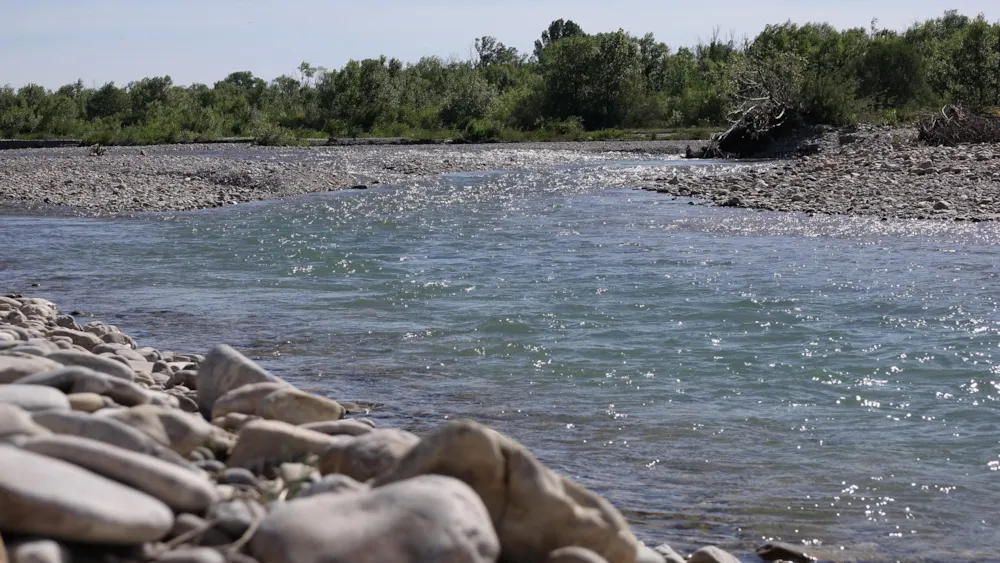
[723, 376]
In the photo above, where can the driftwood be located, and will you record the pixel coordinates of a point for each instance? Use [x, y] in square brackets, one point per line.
[955, 125]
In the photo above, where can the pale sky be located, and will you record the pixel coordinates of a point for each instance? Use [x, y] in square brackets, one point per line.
[55, 42]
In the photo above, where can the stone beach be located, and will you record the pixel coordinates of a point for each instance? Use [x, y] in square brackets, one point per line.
[184, 177]
[111, 451]
[875, 172]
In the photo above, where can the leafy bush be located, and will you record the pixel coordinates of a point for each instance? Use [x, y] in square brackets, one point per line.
[482, 131]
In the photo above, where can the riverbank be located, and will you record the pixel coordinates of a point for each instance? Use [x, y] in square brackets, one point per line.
[879, 172]
[186, 177]
[111, 448]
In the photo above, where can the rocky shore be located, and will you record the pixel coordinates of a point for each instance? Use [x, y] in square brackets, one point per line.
[115, 452]
[876, 172]
[186, 177]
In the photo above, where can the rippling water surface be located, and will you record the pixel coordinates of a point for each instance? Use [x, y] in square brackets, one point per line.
[723, 376]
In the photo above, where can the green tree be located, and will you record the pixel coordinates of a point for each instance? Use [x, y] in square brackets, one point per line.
[557, 30]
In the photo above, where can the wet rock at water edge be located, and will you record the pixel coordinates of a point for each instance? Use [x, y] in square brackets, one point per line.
[712, 554]
[245, 399]
[298, 407]
[223, 370]
[271, 442]
[534, 510]
[777, 551]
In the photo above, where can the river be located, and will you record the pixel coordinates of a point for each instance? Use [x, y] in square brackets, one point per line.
[721, 375]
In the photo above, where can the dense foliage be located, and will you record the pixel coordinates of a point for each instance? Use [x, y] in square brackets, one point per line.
[572, 82]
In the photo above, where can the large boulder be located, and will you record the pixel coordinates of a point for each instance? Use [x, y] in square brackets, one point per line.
[271, 442]
[14, 367]
[421, 520]
[223, 370]
[245, 399]
[368, 455]
[178, 488]
[534, 510]
[34, 398]
[51, 498]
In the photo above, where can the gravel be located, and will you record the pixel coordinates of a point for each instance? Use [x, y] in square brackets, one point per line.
[185, 177]
[877, 172]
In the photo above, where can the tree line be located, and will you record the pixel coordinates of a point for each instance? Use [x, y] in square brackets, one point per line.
[572, 82]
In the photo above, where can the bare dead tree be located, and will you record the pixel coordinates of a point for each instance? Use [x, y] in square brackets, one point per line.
[765, 95]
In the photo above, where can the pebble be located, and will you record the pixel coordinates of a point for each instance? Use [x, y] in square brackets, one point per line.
[238, 476]
[39, 551]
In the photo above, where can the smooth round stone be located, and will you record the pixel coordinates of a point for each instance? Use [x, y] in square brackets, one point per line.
[211, 465]
[34, 398]
[13, 368]
[51, 498]
[238, 476]
[193, 555]
[177, 487]
[86, 402]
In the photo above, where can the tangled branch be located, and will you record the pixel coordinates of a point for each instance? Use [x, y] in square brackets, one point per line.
[955, 125]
